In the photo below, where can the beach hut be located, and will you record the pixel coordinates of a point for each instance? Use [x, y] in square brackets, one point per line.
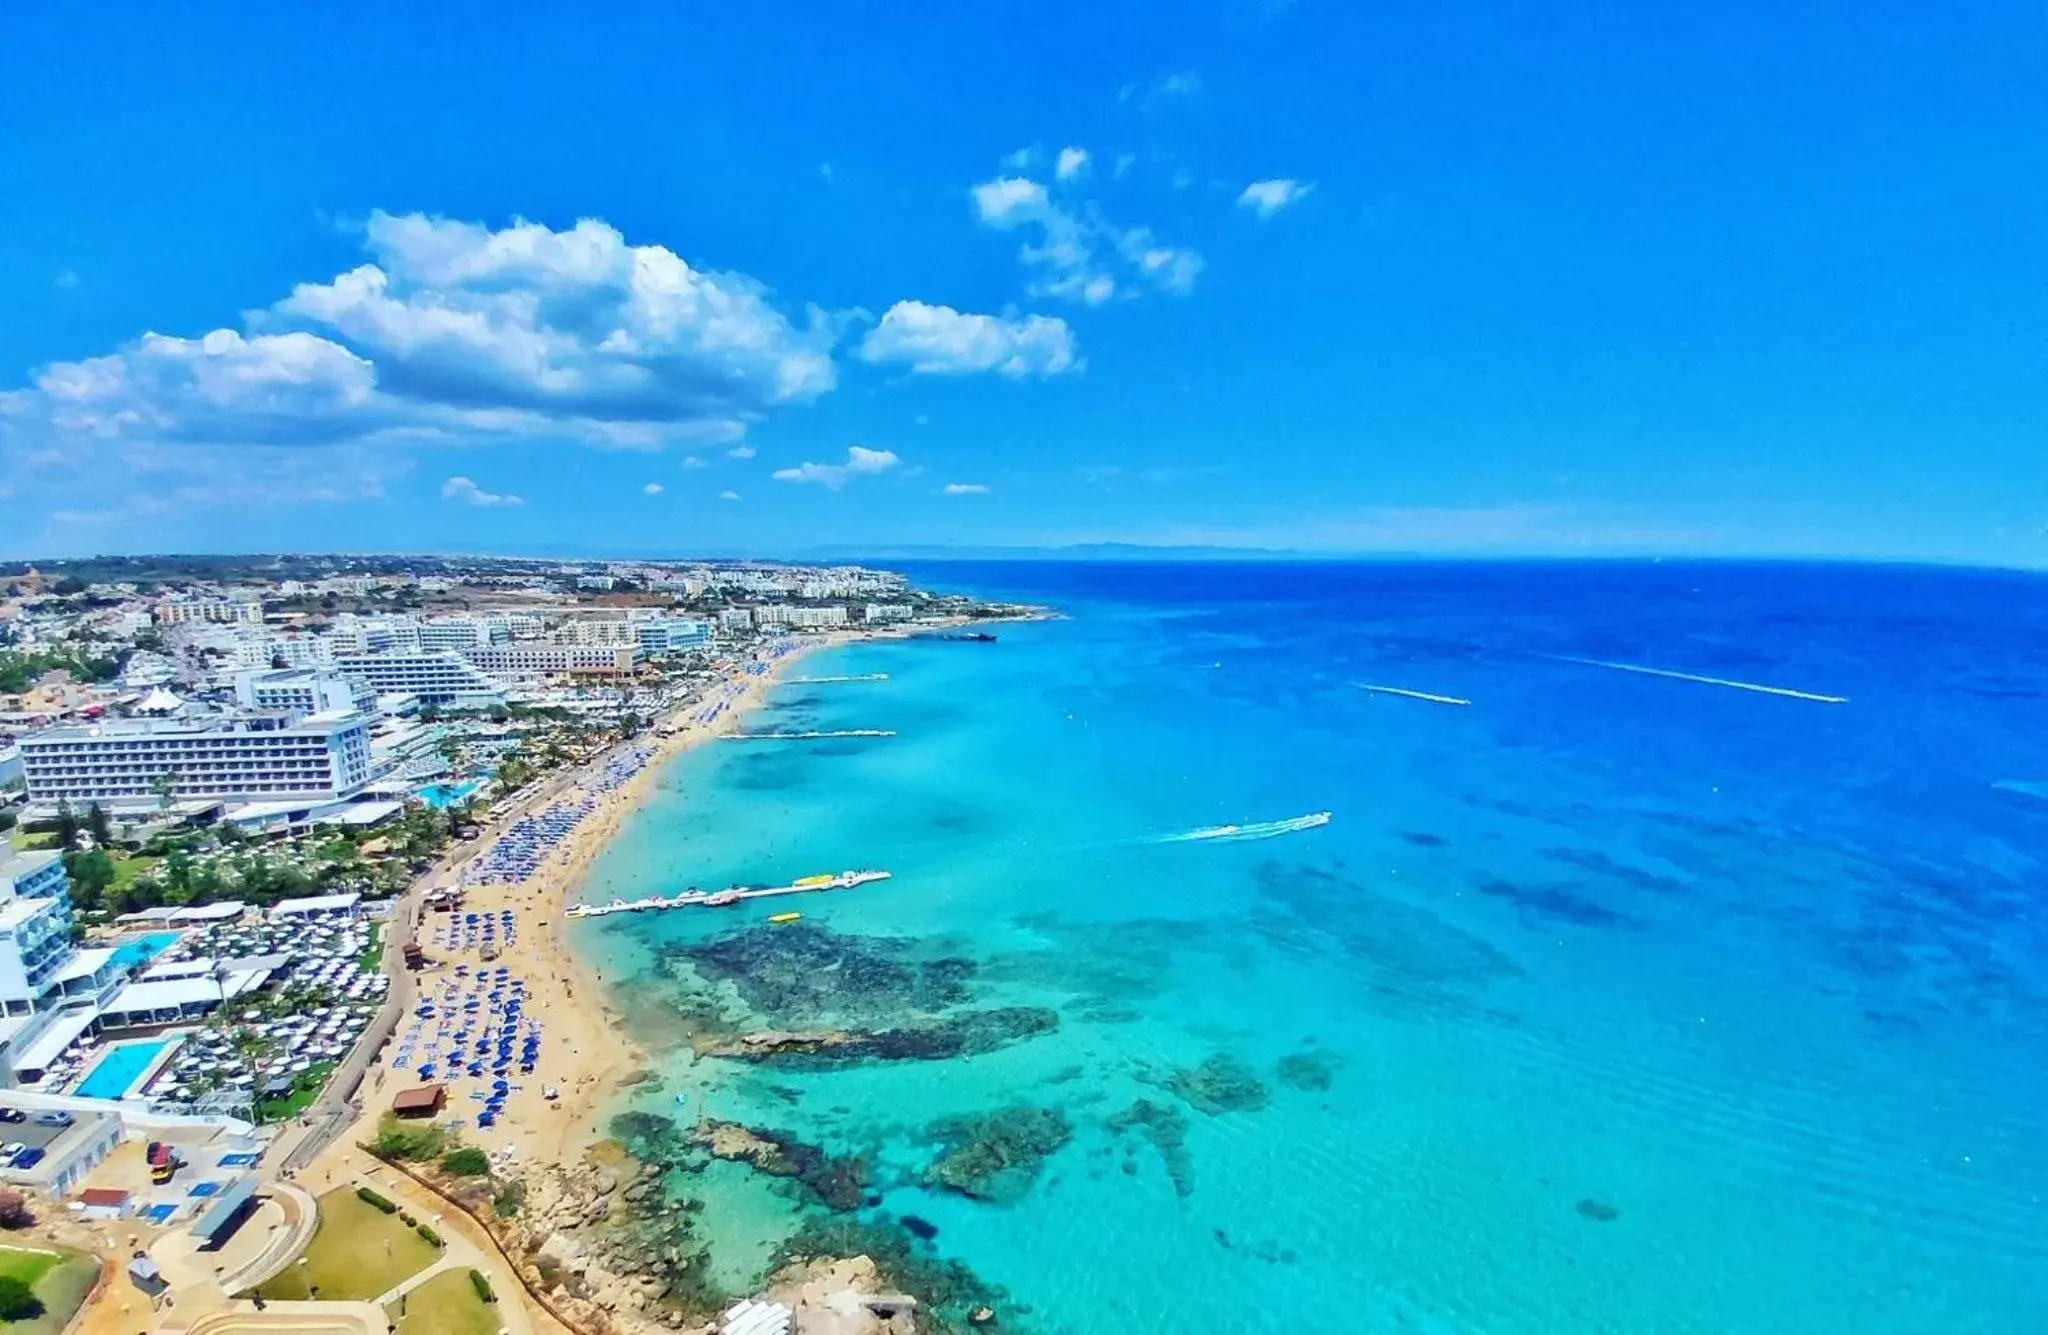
[420, 1101]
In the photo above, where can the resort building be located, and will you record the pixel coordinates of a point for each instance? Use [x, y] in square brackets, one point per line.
[180, 611]
[800, 618]
[659, 639]
[513, 661]
[736, 618]
[302, 691]
[877, 613]
[441, 679]
[133, 764]
[35, 928]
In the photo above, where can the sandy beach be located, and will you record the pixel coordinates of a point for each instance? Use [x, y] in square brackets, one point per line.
[587, 1052]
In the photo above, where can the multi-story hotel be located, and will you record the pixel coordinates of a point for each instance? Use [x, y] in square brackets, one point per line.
[137, 763]
[35, 928]
[180, 611]
[301, 691]
[673, 636]
[805, 618]
[443, 679]
[880, 612]
[511, 661]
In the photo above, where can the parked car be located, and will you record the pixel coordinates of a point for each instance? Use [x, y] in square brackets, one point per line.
[29, 1157]
[55, 1117]
[12, 1115]
[10, 1149]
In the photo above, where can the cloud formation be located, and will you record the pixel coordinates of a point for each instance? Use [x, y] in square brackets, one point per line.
[728, 495]
[1071, 163]
[1267, 198]
[455, 332]
[651, 489]
[860, 461]
[469, 493]
[740, 452]
[1079, 255]
[964, 489]
[938, 340]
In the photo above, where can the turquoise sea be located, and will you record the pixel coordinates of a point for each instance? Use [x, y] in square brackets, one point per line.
[1609, 1003]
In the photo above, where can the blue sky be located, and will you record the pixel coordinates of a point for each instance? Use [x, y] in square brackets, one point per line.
[1548, 278]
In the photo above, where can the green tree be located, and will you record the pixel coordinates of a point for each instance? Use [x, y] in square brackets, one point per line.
[67, 827]
[92, 874]
[164, 787]
[18, 1302]
[98, 826]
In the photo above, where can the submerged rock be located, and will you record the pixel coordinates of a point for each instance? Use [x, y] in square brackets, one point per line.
[996, 1156]
[839, 1182]
[967, 1034]
[920, 1227]
[1311, 1071]
[1167, 1128]
[1598, 1211]
[948, 1293]
[1219, 1085]
[802, 973]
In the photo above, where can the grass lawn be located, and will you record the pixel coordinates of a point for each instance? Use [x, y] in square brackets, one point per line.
[446, 1305]
[23, 842]
[372, 960]
[129, 870]
[357, 1253]
[61, 1278]
[309, 1082]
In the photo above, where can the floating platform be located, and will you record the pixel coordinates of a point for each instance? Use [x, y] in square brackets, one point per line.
[737, 894]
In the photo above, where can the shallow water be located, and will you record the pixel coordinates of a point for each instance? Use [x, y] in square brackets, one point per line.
[1641, 1003]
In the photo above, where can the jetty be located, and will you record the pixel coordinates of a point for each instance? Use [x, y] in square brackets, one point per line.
[807, 736]
[1407, 694]
[822, 681]
[738, 894]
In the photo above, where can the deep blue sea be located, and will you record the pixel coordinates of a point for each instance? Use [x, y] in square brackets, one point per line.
[1607, 1003]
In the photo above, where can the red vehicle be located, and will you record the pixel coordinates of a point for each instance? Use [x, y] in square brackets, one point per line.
[163, 1162]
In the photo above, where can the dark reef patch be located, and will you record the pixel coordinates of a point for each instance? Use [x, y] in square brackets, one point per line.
[1554, 902]
[1308, 1071]
[1597, 1210]
[919, 1227]
[967, 1034]
[804, 972]
[1600, 864]
[997, 1156]
[1222, 1084]
[1166, 1127]
[1424, 839]
[1398, 947]
[839, 1183]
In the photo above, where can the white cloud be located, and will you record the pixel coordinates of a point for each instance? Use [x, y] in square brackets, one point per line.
[740, 452]
[964, 489]
[938, 340]
[692, 461]
[66, 279]
[1124, 163]
[1079, 254]
[651, 489]
[457, 333]
[1071, 163]
[469, 493]
[1021, 160]
[860, 460]
[728, 495]
[825, 172]
[1267, 198]
[1167, 87]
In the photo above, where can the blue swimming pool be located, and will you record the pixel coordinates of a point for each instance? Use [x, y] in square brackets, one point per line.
[121, 1068]
[143, 949]
[448, 794]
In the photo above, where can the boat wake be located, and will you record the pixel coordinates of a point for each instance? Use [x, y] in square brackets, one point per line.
[1236, 834]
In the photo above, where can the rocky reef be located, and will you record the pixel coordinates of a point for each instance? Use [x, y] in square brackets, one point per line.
[1221, 1084]
[948, 1293]
[1308, 1071]
[838, 1183]
[997, 1156]
[966, 1034]
[802, 974]
[1166, 1127]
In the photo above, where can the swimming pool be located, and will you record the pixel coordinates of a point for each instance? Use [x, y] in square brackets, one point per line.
[143, 949]
[121, 1068]
[448, 794]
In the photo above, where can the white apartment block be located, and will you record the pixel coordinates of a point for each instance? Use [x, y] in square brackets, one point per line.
[735, 618]
[598, 630]
[799, 618]
[130, 763]
[880, 612]
[674, 636]
[300, 691]
[230, 611]
[514, 661]
[35, 927]
[444, 678]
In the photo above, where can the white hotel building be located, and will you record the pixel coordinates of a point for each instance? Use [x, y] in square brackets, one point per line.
[512, 661]
[121, 763]
[445, 679]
